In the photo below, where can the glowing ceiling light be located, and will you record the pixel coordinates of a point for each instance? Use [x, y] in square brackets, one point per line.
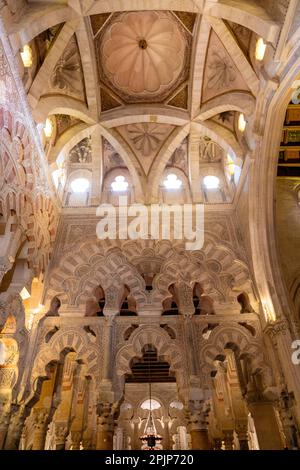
[48, 128]
[260, 49]
[120, 184]
[172, 182]
[24, 294]
[242, 123]
[80, 185]
[153, 405]
[26, 56]
[211, 182]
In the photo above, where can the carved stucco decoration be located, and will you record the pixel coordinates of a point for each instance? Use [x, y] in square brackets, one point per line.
[143, 54]
[67, 76]
[146, 139]
[209, 151]
[221, 74]
[179, 157]
[111, 158]
[81, 152]
[8, 91]
[216, 268]
[242, 34]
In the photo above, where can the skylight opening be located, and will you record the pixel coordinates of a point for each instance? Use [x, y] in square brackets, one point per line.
[120, 184]
[80, 185]
[172, 182]
[211, 182]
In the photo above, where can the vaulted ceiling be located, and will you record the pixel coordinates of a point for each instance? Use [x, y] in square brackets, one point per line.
[145, 87]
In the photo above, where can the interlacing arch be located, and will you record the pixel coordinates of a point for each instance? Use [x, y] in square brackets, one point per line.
[234, 336]
[215, 268]
[69, 339]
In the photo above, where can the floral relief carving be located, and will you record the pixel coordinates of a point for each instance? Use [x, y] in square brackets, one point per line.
[146, 137]
[221, 70]
[209, 151]
[81, 152]
[221, 74]
[67, 75]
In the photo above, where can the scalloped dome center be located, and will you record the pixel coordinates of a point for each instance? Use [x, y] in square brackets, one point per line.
[143, 52]
[143, 44]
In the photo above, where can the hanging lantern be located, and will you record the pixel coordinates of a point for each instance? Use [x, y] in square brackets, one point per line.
[150, 438]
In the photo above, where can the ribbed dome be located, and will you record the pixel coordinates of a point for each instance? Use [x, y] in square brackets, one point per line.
[143, 52]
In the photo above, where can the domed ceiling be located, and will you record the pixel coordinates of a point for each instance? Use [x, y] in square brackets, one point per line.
[143, 56]
[143, 94]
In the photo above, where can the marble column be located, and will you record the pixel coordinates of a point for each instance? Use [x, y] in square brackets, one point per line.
[105, 426]
[242, 433]
[266, 425]
[228, 439]
[197, 417]
[15, 428]
[4, 422]
[61, 433]
[76, 439]
[217, 444]
[40, 427]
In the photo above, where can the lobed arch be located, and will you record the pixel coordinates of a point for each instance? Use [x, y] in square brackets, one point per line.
[238, 338]
[111, 269]
[156, 336]
[67, 339]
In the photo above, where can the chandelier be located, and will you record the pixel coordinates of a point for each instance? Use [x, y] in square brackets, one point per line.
[150, 438]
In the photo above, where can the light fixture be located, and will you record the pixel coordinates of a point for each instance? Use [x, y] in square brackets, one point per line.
[230, 165]
[150, 438]
[211, 182]
[26, 56]
[172, 182]
[80, 185]
[48, 128]
[24, 294]
[242, 123]
[260, 49]
[120, 184]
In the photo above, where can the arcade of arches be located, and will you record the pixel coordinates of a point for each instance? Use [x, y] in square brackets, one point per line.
[164, 102]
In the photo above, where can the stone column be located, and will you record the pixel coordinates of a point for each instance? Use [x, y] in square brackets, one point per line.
[105, 426]
[241, 428]
[286, 404]
[266, 425]
[76, 439]
[218, 444]
[281, 339]
[40, 427]
[15, 428]
[61, 432]
[4, 422]
[108, 340]
[228, 439]
[197, 416]
[86, 444]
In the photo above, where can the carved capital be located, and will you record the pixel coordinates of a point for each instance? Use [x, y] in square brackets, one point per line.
[61, 432]
[40, 418]
[197, 414]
